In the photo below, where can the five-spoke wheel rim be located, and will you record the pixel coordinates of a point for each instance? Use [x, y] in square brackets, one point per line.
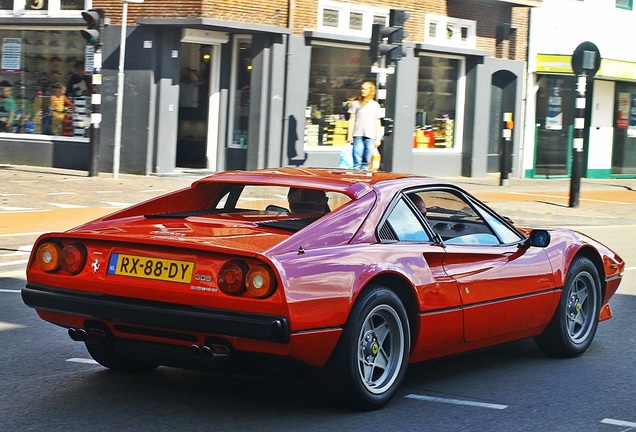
[380, 349]
[581, 309]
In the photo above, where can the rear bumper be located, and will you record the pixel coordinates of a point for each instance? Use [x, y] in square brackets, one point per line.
[158, 314]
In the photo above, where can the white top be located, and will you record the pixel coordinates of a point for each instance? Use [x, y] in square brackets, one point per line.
[366, 120]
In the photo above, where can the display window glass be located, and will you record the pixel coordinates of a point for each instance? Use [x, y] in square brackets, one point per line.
[45, 89]
[624, 146]
[335, 77]
[439, 95]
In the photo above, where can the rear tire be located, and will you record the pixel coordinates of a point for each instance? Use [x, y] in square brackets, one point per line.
[371, 358]
[575, 321]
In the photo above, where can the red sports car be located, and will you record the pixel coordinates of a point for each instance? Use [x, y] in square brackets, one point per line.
[357, 273]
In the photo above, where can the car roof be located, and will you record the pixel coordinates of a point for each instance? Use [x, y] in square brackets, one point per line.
[352, 183]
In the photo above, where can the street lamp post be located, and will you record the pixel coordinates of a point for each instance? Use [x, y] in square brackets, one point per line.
[120, 87]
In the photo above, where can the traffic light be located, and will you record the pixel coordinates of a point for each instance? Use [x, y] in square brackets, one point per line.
[387, 41]
[387, 122]
[95, 22]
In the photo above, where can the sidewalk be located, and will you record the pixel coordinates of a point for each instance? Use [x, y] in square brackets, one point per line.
[527, 201]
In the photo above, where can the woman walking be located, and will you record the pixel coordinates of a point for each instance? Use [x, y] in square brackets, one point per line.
[364, 126]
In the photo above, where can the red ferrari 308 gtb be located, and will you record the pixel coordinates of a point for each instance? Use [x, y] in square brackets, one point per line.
[357, 273]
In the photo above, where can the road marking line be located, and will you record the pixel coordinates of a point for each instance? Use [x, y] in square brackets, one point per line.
[630, 268]
[619, 423]
[10, 291]
[82, 360]
[67, 206]
[61, 193]
[457, 402]
[17, 209]
[565, 197]
[117, 204]
[9, 326]
[10, 263]
[22, 234]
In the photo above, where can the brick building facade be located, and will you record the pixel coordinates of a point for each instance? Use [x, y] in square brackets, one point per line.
[220, 85]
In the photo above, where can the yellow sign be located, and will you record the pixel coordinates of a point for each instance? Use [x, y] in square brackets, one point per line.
[150, 268]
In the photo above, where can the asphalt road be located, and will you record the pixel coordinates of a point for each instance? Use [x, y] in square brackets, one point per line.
[49, 383]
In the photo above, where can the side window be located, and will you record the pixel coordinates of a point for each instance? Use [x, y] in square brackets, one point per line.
[405, 226]
[455, 220]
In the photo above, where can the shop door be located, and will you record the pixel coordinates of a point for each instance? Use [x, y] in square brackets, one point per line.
[197, 135]
[240, 92]
[502, 99]
[554, 126]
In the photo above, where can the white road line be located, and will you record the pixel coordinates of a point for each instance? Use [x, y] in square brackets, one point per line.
[630, 268]
[11, 195]
[21, 234]
[67, 206]
[61, 193]
[9, 326]
[82, 360]
[17, 209]
[10, 291]
[563, 197]
[117, 204]
[619, 423]
[10, 263]
[457, 402]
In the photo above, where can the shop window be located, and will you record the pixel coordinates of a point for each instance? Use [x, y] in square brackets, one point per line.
[437, 116]
[334, 79]
[44, 86]
[6, 4]
[349, 19]
[624, 145]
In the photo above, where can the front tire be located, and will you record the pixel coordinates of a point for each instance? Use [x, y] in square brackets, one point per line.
[575, 321]
[372, 355]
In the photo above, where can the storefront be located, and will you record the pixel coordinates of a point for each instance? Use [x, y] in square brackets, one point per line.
[45, 82]
[610, 145]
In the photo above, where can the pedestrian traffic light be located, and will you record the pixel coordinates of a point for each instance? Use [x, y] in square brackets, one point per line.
[95, 22]
[387, 122]
[387, 41]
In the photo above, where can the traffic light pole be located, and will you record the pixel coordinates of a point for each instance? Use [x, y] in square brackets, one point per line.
[96, 113]
[579, 132]
[93, 35]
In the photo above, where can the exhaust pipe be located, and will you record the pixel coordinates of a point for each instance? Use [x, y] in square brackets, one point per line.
[210, 352]
[87, 335]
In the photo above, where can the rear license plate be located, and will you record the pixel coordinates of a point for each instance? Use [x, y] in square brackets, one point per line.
[151, 268]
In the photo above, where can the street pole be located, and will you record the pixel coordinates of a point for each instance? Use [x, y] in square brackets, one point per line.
[120, 87]
[96, 113]
[578, 140]
[586, 61]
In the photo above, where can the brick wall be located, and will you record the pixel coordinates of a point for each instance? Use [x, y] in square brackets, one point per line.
[488, 13]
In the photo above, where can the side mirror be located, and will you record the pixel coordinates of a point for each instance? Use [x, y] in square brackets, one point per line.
[538, 238]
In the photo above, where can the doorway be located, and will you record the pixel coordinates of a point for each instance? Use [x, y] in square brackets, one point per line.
[194, 84]
[199, 100]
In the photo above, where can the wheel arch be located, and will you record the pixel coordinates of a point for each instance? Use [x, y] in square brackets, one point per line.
[405, 292]
[591, 254]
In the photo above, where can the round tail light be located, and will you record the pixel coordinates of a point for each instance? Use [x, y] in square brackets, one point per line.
[73, 258]
[48, 256]
[260, 281]
[232, 277]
